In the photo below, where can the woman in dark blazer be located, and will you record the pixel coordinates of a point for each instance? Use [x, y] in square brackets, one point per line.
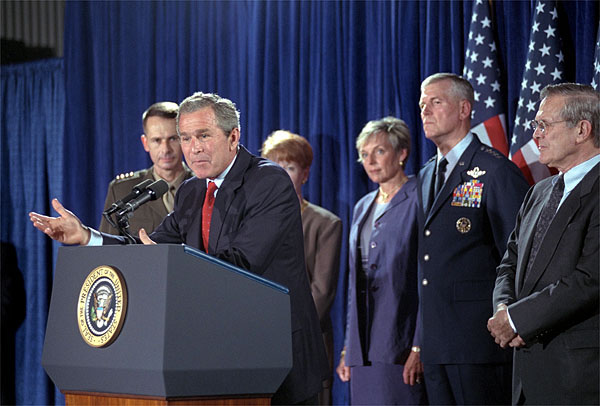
[381, 354]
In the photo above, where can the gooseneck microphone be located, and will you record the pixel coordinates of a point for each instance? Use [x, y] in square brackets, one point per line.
[135, 192]
[124, 208]
[152, 192]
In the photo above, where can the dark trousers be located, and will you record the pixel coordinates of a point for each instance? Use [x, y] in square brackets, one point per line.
[468, 384]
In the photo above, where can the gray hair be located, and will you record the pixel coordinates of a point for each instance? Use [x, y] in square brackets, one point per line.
[582, 102]
[396, 130]
[227, 114]
[461, 88]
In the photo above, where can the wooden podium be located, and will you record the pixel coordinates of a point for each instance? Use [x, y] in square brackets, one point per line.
[192, 330]
[103, 399]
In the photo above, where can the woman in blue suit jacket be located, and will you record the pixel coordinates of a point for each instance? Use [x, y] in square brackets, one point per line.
[381, 355]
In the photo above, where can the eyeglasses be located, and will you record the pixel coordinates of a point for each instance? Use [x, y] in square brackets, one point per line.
[534, 124]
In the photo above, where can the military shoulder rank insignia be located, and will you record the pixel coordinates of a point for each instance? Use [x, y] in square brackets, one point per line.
[127, 175]
[102, 306]
[468, 194]
[475, 172]
[492, 152]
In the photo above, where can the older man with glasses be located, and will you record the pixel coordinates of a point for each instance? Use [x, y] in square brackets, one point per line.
[546, 294]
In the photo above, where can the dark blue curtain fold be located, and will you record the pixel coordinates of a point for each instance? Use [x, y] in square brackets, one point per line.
[33, 111]
[319, 68]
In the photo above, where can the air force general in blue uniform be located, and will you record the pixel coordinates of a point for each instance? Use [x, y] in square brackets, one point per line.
[462, 237]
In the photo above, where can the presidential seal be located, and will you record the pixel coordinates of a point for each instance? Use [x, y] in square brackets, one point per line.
[102, 306]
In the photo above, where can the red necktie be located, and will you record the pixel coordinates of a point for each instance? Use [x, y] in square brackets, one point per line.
[207, 208]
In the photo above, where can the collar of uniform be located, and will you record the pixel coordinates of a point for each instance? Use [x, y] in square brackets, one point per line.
[455, 153]
[177, 181]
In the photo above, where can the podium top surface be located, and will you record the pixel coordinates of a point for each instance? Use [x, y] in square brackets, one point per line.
[197, 253]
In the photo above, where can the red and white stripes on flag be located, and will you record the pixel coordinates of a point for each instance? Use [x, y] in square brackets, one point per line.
[544, 66]
[482, 70]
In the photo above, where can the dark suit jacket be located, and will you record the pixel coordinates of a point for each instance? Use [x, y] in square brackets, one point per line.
[459, 250]
[256, 225]
[147, 216]
[392, 279]
[555, 305]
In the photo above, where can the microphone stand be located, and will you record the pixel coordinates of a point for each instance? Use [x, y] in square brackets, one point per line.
[125, 210]
[123, 226]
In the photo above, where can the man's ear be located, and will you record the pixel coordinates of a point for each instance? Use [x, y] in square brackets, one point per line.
[584, 131]
[145, 142]
[465, 109]
[234, 139]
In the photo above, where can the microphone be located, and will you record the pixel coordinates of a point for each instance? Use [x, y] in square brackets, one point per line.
[137, 189]
[152, 192]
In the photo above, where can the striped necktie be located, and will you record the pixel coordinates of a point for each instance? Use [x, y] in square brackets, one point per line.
[546, 216]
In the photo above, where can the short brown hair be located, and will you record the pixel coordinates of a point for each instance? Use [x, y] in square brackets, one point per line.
[282, 145]
[164, 109]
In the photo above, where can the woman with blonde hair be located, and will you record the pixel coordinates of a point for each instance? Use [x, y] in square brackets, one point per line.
[381, 354]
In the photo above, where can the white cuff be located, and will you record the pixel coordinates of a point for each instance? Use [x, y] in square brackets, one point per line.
[512, 325]
[95, 238]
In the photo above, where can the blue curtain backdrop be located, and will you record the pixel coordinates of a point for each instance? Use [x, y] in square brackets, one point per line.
[33, 111]
[322, 69]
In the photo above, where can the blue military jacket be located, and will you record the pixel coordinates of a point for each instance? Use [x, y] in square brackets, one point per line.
[462, 239]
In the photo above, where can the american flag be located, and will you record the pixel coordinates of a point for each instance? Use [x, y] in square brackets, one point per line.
[544, 66]
[596, 74]
[488, 120]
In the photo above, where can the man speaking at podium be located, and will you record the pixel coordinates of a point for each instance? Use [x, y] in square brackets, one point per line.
[239, 208]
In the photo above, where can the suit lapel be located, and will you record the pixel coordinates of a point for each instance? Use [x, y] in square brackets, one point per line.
[555, 231]
[366, 208]
[370, 202]
[396, 200]
[225, 197]
[426, 183]
[528, 231]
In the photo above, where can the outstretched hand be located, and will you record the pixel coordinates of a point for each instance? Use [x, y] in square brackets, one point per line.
[67, 228]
